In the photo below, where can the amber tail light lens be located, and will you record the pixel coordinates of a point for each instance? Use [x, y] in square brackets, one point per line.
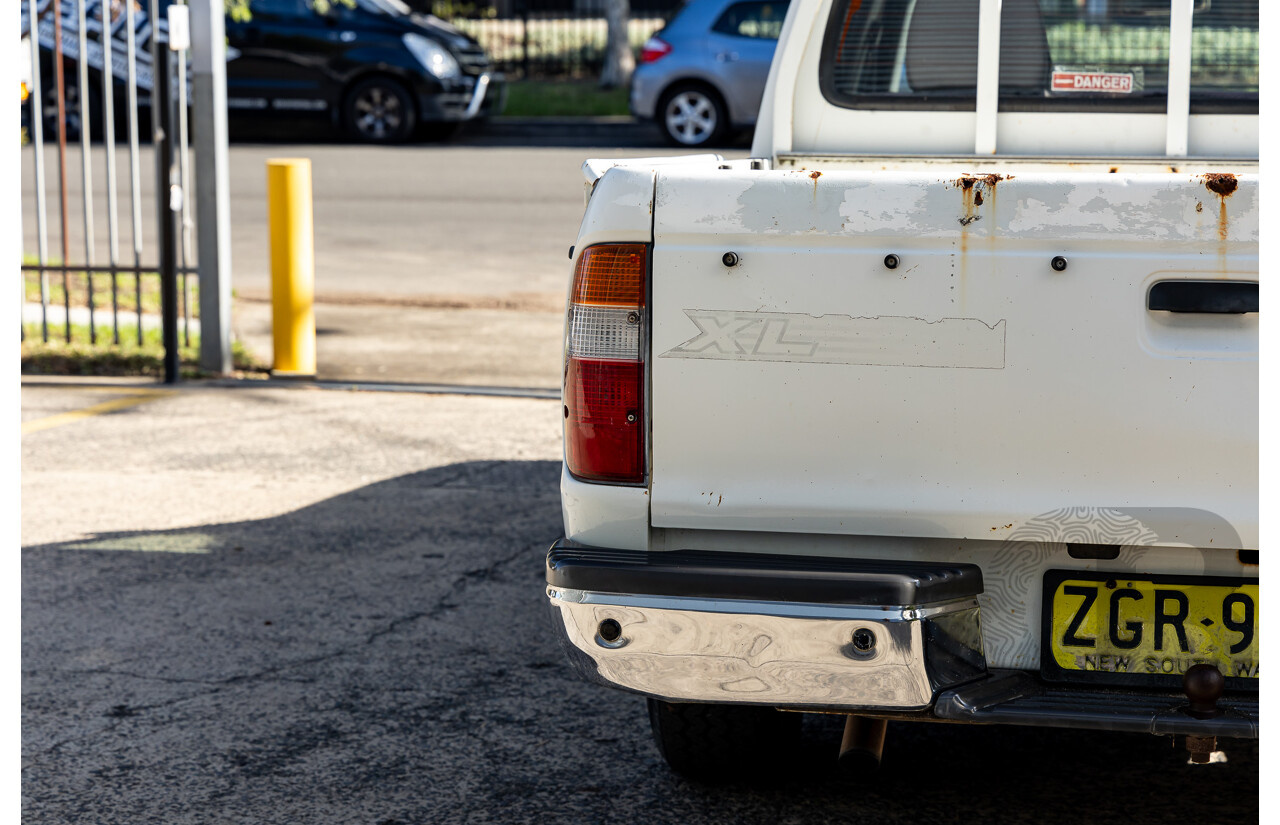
[604, 425]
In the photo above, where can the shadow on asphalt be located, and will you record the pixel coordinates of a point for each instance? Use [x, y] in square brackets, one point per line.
[383, 657]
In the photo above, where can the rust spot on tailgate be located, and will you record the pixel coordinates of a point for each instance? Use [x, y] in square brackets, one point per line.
[1222, 184]
[975, 191]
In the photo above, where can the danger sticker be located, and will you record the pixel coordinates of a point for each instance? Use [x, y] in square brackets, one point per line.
[1110, 82]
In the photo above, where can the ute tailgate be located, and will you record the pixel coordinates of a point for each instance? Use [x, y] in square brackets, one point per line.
[973, 387]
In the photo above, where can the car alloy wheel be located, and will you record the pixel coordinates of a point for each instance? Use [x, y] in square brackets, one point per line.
[379, 111]
[691, 117]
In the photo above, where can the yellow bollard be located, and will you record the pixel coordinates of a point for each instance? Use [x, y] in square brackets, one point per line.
[293, 266]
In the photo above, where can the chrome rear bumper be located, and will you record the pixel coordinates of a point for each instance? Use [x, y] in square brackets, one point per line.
[717, 627]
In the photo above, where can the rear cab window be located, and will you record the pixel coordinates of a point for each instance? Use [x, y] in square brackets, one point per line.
[1055, 55]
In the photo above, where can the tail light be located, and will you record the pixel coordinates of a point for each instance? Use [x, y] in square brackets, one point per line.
[654, 49]
[604, 366]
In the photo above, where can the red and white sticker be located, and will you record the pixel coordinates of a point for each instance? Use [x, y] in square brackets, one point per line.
[1108, 82]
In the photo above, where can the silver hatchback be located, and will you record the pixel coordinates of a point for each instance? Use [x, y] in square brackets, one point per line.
[703, 75]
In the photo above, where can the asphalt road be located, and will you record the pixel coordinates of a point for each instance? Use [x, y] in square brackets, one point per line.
[269, 605]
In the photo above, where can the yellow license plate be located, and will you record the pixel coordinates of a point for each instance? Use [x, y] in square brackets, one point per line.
[1148, 630]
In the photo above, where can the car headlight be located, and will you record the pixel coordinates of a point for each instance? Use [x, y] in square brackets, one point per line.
[435, 58]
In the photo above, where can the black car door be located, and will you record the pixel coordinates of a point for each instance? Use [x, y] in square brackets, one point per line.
[277, 60]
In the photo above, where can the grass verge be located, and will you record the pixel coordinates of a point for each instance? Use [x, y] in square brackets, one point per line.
[77, 284]
[79, 357]
[563, 98]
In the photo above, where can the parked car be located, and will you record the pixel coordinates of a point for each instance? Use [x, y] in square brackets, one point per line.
[703, 75]
[377, 70]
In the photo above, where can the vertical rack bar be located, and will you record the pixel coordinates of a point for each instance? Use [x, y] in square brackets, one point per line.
[135, 183]
[86, 160]
[37, 143]
[987, 104]
[184, 184]
[1178, 120]
[60, 82]
[109, 146]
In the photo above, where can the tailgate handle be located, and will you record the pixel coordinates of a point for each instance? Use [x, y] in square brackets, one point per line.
[1217, 297]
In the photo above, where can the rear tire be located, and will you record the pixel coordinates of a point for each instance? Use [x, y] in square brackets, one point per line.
[718, 742]
[379, 110]
[692, 115]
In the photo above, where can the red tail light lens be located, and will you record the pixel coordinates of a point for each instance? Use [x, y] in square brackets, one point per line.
[604, 426]
[604, 371]
[654, 49]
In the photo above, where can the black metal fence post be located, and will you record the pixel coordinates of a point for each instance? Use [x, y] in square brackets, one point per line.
[163, 141]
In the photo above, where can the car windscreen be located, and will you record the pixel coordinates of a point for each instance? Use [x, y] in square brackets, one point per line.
[1055, 55]
[392, 8]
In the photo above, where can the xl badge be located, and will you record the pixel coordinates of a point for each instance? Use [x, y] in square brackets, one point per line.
[883, 341]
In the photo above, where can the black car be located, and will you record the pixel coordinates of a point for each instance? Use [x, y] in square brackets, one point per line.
[377, 70]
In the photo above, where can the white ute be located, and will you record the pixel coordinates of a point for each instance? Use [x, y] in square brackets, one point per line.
[944, 405]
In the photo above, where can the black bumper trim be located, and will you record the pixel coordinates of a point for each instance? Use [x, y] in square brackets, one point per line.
[1017, 698]
[726, 575]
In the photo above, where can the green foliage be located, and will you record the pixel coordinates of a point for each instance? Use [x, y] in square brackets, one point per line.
[325, 6]
[238, 10]
[452, 9]
[241, 11]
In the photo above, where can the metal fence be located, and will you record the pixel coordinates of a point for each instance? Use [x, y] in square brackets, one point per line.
[97, 70]
[554, 38]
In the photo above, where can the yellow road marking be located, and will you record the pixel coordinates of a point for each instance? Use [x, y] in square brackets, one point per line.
[135, 397]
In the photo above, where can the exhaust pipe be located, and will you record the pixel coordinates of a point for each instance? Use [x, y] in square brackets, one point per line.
[862, 745]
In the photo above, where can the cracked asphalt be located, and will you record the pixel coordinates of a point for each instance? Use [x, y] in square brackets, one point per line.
[281, 605]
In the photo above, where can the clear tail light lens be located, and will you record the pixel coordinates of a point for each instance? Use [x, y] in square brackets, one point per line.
[604, 423]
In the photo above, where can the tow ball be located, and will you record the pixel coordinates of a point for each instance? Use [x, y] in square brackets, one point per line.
[1203, 685]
